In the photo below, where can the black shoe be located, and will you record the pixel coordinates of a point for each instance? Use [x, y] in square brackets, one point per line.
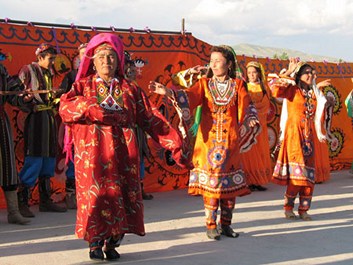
[257, 187]
[23, 196]
[228, 231]
[25, 211]
[96, 254]
[261, 188]
[49, 206]
[111, 254]
[45, 202]
[146, 196]
[252, 187]
[213, 234]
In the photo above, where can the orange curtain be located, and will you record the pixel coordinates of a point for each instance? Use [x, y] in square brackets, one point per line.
[157, 56]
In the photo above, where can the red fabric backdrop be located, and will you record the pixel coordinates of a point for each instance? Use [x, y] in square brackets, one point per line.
[157, 56]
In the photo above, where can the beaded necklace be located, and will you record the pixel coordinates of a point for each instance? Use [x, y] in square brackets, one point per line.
[223, 94]
[309, 103]
[307, 145]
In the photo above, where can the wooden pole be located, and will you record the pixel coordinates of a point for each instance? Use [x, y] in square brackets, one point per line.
[183, 26]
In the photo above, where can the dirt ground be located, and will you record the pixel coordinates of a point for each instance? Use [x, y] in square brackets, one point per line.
[176, 232]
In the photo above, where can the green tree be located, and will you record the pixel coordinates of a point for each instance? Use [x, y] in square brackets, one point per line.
[283, 56]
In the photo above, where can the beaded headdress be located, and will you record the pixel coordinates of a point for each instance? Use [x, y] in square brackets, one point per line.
[102, 47]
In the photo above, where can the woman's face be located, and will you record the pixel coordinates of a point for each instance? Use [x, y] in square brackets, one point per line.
[307, 75]
[106, 63]
[218, 64]
[253, 74]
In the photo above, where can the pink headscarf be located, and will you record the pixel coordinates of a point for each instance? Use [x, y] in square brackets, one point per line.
[86, 66]
[86, 69]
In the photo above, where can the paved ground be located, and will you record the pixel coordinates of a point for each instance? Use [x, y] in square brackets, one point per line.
[176, 232]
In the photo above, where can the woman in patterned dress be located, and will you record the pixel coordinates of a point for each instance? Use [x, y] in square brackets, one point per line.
[103, 110]
[295, 166]
[257, 162]
[228, 127]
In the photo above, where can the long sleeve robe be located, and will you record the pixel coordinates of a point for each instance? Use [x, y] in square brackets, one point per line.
[109, 200]
[222, 135]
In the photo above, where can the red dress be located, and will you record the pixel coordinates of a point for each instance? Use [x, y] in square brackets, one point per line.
[109, 200]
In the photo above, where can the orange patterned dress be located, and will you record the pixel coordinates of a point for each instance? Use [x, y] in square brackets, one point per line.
[322, 162]
[296, 159]
[257, 161]
[223, 133]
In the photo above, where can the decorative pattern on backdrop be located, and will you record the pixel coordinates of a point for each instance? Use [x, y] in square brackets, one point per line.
[157, 57]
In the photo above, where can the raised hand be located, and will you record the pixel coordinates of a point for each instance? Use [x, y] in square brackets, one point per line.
[293, 63]
[158, 88]
[197, 69]
[324, 83]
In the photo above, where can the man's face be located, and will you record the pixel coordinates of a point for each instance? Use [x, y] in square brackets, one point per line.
[47, 61]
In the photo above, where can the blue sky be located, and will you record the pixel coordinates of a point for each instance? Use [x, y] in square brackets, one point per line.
[321, 27]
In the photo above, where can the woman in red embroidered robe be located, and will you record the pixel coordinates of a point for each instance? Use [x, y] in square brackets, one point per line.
[103, 110]
[228, 127]
[295, 166]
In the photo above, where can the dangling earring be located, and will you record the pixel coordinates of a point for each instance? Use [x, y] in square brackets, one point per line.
[94, 68]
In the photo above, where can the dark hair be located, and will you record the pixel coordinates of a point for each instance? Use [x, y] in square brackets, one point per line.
[227, 53]
[50, 50]
[301, 72]
[128, 59]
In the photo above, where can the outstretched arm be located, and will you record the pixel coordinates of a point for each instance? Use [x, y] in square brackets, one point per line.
[158, 88]
[293, 63]
[324, 83]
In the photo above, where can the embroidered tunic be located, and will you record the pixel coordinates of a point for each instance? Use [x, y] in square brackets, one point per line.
[296, 159]
[222, 135]
[257, 162]
[109, 200]
[40, 130]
